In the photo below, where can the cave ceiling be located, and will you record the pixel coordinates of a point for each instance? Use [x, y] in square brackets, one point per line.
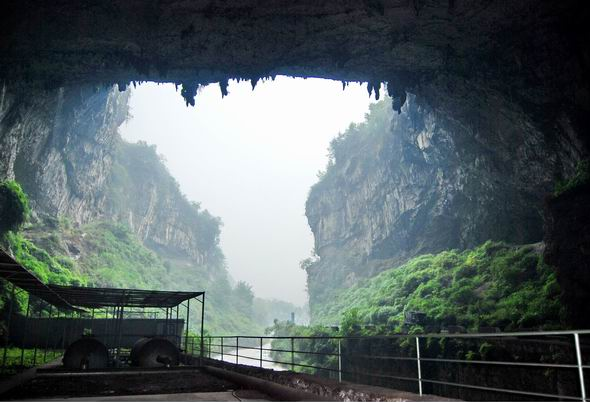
[465, 58]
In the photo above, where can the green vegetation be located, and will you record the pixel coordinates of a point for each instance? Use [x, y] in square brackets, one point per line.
[118, 259]
[109, 254]
[494, 284]
[581, 177]
[54, 270]
[14, 206]
[29, 358]
[491, 285]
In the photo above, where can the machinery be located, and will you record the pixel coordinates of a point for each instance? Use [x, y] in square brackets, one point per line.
[154, 352]
[86, 353]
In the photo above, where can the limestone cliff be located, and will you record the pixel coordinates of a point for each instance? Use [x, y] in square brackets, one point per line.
[59, 144]
[419, 182]
[64, 148]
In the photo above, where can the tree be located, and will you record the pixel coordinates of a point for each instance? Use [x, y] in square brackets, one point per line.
[244, 297]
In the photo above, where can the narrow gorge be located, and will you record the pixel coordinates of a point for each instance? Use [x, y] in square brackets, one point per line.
[105, 212]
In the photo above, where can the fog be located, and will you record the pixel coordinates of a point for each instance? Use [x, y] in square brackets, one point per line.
[250, 158]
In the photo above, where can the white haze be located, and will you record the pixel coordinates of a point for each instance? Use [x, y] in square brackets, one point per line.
[250, 158]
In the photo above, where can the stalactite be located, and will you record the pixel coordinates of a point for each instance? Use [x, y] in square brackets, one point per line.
[254, 81]
[189, 93]
[223, 86]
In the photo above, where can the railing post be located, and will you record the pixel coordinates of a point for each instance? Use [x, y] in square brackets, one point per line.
[419, 368]
[339, 360]
[260, 352]
[580, 364]
[292, 354]
[237, 349]
[221, 338]
[209, 353]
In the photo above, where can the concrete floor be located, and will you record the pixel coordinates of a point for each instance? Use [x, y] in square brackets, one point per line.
[241, 395]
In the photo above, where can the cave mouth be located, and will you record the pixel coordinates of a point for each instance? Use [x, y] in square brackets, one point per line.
[245, 154]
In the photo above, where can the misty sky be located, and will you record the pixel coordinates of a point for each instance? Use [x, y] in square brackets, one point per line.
[250, 158]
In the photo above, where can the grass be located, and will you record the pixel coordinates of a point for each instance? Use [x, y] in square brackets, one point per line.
[30, 358]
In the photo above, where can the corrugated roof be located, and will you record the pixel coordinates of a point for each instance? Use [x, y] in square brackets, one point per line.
[108, 297]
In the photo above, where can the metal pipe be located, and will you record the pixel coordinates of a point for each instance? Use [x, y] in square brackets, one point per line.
[261, 352]
[419, 368]
[339, 361]
[292, 354]
[176, 337]
[237, 349]
[202, 322]
[221, 348]
[188, 312]
[580, 368]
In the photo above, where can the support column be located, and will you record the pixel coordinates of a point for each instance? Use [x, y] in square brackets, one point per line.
[9, 320]
[22, 350]
[202, 324]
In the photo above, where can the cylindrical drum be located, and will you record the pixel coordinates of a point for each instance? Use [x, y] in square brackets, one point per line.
[86, 353]
[154, 352]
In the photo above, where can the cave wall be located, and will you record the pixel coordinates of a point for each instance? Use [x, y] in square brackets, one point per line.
[503, 71]
[419, 182]
[476, 60]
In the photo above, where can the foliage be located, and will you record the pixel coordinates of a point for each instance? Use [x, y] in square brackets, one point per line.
[14, 206]
[48, 269]
[582, 176]
[30, 357]
[491, 285]
[118, 259]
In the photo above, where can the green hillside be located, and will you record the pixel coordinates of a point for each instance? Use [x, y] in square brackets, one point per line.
[494, 284]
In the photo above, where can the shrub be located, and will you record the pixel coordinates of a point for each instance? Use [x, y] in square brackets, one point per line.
[14, 206]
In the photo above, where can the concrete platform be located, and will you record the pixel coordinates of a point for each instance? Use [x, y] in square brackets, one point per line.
[240, 395]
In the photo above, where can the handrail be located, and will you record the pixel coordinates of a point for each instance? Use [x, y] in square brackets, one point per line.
[334, 352]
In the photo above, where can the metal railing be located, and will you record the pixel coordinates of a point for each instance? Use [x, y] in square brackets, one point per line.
[372, 358]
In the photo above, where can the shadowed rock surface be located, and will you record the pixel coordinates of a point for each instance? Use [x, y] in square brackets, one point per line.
[504, 83]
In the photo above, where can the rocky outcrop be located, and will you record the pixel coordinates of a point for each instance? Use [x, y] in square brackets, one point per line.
[59, 144]
[64, 148]
[419, 182]
[144, 195]
[567, 240]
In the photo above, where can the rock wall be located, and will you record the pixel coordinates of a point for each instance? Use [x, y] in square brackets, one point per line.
[59, 144]
[419, 182]
[63, 147]
[144, 195]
